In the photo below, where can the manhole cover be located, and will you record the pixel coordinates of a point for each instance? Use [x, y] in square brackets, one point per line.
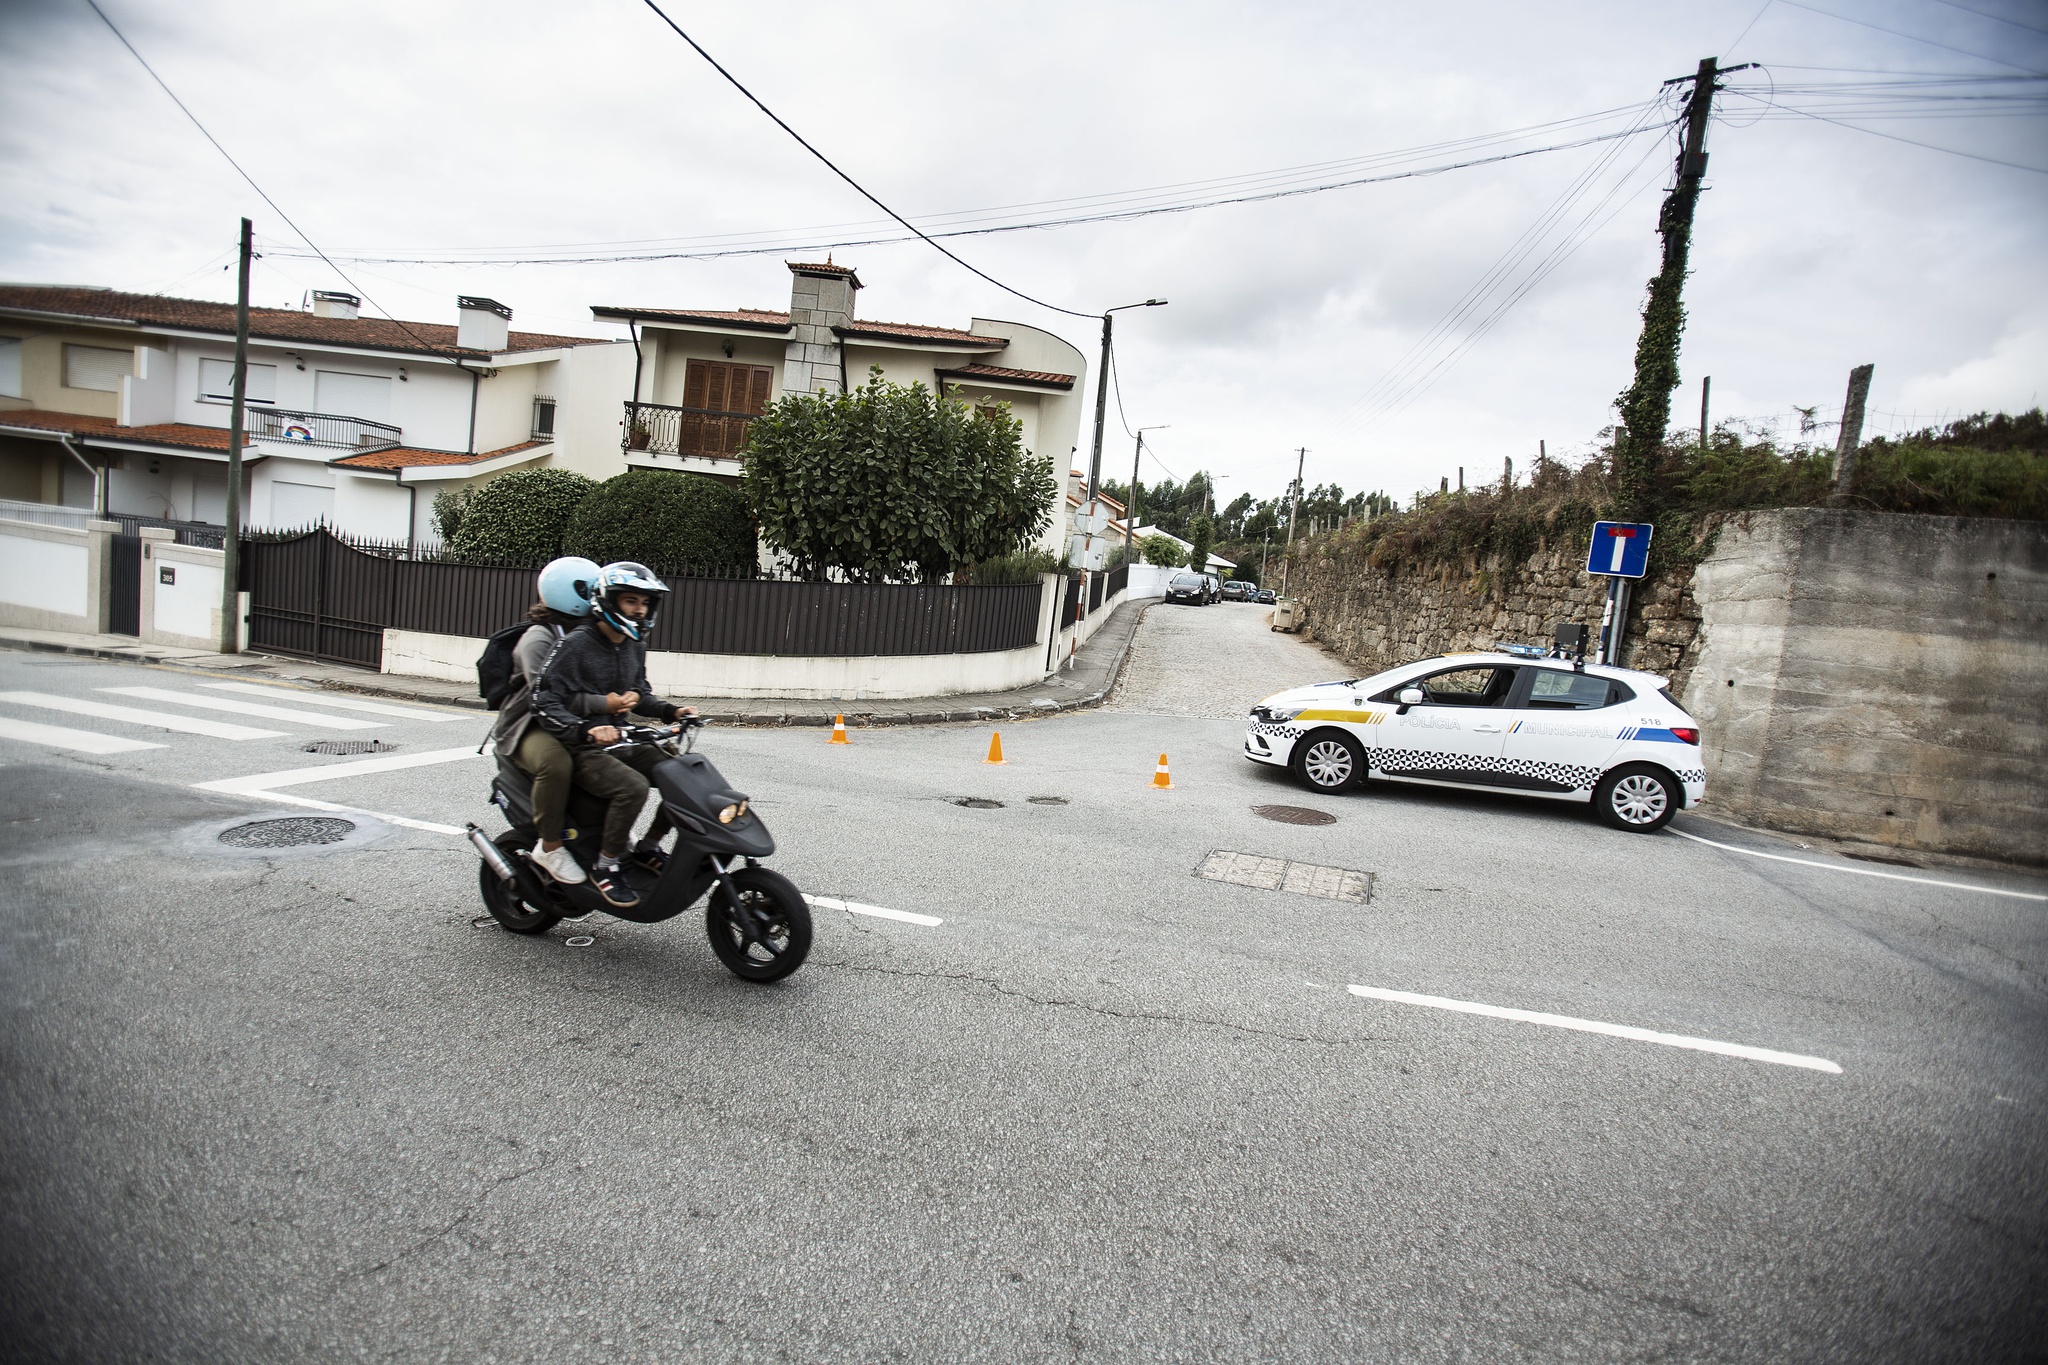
[1295, 815]
[291, 833]
[977, 803]
[346, 746]
[1047, 800]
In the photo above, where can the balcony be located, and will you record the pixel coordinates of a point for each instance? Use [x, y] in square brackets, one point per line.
[321, 429]
[663, 429]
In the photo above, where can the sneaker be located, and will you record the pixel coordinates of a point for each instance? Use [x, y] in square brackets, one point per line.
[560, 864]
[649, 860]
[611, 884]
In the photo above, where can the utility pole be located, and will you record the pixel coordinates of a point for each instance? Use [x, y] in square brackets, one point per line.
[1293, 508]
[231, 541]
[1706, 388]
[1646, 405]
[1850, 439]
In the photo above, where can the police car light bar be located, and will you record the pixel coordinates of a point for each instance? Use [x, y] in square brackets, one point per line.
[1522, 651]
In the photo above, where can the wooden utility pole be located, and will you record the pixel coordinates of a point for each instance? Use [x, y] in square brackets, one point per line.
[1850, 439]
[231, 540]
[1706, 387]
[1293, 508]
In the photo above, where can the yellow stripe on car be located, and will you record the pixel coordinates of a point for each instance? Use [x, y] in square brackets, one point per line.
[1354, 717]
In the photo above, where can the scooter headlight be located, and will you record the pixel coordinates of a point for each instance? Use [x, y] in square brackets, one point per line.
[732, 812]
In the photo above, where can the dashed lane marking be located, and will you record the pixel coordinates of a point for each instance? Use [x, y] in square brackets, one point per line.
[243, 708]
[1640, 1035]
[372, 708]
[1864, 871]
[190, 725]
[57, 737]
[876, 911]
[256, 783]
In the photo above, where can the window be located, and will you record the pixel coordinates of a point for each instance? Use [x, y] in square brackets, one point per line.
[293, 505]
[96, 367]
[543, 418]
[10, 367]
[1485, 685]
[217, 382]
[1553, 690]
[367, 396]
[718, 398]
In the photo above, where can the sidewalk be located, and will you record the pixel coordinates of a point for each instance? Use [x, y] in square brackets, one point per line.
[1094, 672]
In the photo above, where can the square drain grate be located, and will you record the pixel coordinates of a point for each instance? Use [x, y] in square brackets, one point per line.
[348, 746]
[1278, 874]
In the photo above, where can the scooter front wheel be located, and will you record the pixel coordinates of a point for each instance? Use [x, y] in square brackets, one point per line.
[507, 903]
[765, 937]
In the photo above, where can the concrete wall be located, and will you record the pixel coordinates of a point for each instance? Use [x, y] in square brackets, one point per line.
[55, 577]
[1878, 677]
[180, 598]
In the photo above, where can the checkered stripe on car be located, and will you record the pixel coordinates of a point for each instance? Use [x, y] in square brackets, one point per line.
[1396, 762]
[1276, 730]
[1695, 775]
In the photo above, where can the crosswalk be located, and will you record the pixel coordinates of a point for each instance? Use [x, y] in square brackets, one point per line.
[136, 717]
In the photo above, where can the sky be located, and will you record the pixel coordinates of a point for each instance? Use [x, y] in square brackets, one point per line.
[1399, 331]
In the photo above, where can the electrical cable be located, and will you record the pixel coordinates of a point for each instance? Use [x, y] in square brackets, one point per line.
[1894, 137]
[1987, 14]
[1910, 37]
[260, 192]
[858, 187]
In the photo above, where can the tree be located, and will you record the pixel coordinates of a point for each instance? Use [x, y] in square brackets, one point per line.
[665, 519]
[1199, 536]
[519, 516]
[1163, 550]
[890, 481]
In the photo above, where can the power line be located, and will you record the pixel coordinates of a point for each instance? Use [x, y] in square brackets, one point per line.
[1910, 37]
[1894, 137]
[1987, 14]
[260, 192]
[858, 187]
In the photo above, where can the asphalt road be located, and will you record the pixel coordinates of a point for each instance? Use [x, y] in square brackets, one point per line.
[292, 1106]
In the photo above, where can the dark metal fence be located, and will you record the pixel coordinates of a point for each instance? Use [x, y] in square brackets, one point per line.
[124, 583]
[1115, 581]
[203, 533]
[318, 596]
[1071, 603]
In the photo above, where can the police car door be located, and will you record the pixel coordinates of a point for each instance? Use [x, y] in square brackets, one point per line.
[1563, 727]
[1455, 734]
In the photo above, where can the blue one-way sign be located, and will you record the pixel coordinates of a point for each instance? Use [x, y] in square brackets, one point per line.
[1620, 549]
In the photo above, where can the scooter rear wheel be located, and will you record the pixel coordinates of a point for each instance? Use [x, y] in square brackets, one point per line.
[768, 954]
[507, 902]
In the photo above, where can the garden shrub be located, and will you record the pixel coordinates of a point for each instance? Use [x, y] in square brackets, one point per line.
[519, 517]
[666, 520]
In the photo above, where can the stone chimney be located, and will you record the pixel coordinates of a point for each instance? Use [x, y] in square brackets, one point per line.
[329, 303]
[482, 324]
[820, 299]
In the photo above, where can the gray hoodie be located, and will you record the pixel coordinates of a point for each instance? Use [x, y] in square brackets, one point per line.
[529, 657]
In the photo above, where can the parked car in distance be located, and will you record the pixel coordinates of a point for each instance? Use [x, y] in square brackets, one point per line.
[1188, 587]
[1265, 597]
[1500, 722]
[1215, 587]
[1237, 591]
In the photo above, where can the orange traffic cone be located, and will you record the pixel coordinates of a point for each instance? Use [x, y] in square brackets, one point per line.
[995, 747]
[839, 731]
[1161, 778]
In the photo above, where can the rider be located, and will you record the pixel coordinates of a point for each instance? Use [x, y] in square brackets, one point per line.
[607, 656]
[565, 587]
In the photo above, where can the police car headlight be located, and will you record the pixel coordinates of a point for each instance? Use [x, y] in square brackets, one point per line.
[1277, 713]
[732, 813]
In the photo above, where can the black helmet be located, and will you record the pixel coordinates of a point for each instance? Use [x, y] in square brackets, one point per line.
[626, 576]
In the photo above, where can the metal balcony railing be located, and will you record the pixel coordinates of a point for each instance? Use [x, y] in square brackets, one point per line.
[322, 429]
[663, 429]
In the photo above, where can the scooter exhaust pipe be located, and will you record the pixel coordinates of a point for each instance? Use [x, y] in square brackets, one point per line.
[493, 856]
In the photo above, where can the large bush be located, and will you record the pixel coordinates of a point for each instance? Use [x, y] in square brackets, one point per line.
[666, 520]
[1163, 550]
[891, 481]
[1199, 535]
[519, 516]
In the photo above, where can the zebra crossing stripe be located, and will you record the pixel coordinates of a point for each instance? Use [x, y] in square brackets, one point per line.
[374, 708]
[243, 708]
[57, 737]
[190, 725]
[294, 777]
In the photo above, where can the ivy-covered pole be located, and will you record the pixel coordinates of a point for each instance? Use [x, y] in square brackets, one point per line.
[1646, 404]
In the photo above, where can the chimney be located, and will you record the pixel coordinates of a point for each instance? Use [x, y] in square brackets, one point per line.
[482, 324]
[331, 303]
[820, 299]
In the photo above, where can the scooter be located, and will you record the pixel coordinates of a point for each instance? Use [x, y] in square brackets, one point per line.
[759, 923]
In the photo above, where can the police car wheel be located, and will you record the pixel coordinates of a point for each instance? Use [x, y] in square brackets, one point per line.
[1637, 798]
[1327, 761]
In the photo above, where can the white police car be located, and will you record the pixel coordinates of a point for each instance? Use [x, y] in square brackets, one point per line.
[1520, 722]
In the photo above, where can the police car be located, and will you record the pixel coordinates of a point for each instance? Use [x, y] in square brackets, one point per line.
[1516, 720]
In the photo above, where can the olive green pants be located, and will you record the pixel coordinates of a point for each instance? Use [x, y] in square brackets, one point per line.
[619, 778]
[544, 760]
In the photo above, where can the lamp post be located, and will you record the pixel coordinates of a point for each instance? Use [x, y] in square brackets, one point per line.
[1131, 512]
[1102, 390]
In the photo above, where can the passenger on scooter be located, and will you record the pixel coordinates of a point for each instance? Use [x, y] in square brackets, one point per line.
[565, 588]
[607, 656]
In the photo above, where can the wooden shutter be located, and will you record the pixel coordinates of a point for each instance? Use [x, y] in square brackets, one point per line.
[714, 388]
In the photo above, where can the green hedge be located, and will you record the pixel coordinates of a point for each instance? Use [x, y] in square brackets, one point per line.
[519, 516]
[666, 520]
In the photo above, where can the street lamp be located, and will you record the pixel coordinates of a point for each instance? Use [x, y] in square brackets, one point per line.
[1131, 511]
[1102, 390]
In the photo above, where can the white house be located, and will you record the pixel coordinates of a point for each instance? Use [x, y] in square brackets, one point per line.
[1218, 565]
[119, 402]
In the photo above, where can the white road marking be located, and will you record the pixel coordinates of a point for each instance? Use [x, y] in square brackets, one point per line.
[1640, 1035]
[191, 725]
[294, 777]
[57, 737]
[855, 908]
[374, 708]
[1864, 871]
[310, 803]
[243, 708]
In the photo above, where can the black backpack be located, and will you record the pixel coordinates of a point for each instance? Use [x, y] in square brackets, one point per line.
[495, 679]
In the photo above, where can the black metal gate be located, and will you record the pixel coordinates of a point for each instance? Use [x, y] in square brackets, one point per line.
[124, 616]
[318, 597]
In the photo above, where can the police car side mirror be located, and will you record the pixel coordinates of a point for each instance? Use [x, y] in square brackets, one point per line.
[1407, 696]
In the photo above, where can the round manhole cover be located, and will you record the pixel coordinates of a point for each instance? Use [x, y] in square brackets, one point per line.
[1295, 815]
[977, 803]
[347, 746]
[291, 833]
[1047, 800]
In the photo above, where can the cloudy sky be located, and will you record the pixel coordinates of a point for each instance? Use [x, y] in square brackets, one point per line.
[1399, 329]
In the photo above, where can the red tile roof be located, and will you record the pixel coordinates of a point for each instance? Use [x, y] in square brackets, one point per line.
[1037, 378]
[804, 268]
[182, 435]
[766, 320]
[266, 324]
[912, 331]
[406, 457]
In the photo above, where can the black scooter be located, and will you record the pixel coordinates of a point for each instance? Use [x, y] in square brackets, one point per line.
[759, 923]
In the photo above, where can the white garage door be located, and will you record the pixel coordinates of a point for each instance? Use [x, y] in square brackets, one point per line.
[353, 395]
[293, 505]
